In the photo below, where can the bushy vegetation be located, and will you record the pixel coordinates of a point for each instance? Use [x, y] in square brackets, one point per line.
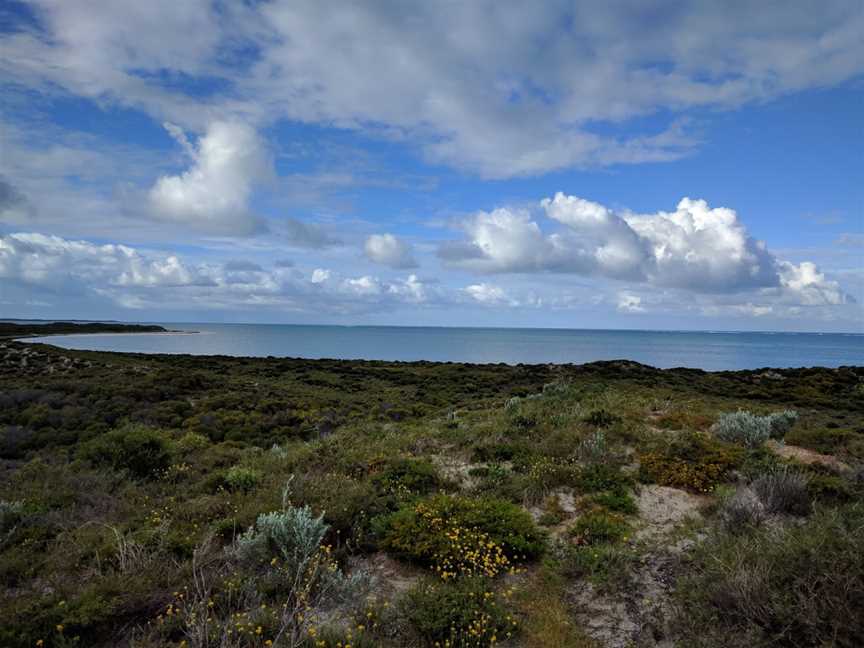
[242, 478]
[692, 461]
[465, 613]
[802, 585]
[141, 503]
[141, 450]
[752, 430]
[463, 537]
[599, 527]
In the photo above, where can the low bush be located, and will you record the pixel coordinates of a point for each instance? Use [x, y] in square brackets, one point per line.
[599, 526]
[602, 477]
[594, 448]
[544, 475]
[458, 614]
[618, 501]
[141, 450]
[798, 585]
[601, 418]
[752, 430]
[692, 461]
[606, 566]
[293, 536]
[192, 441]
[783, 491]
[407, 477]
[827, 487]
[242, 478]
[11, 513]
[742, 511]
[459, 536]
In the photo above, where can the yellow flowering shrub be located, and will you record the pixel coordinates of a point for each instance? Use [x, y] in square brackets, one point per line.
[693, 461]
[458, 536]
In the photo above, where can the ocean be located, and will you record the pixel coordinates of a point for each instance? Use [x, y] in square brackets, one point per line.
[712, 351]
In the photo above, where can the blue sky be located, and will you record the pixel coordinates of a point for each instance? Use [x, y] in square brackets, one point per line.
[653, 165]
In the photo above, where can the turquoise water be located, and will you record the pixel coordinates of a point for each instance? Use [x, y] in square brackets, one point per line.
[703, 350]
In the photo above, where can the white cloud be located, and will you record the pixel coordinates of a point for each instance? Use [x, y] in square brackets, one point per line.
[388, 250]
[54, 262]
[488, 294]
[695, 248]
[320, 275]
[133, 278]
[630, 303]
[213, 193]
[804, 284]
[469, 85]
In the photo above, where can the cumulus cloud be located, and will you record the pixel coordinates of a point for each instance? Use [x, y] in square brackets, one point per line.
[213, 193]
[695, 248]
[388, 250]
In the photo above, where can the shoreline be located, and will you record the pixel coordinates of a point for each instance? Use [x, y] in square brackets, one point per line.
[623, 365]
[367, 348]
[32, 336]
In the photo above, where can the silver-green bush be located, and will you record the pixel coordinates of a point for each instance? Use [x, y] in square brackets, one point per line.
[752, 430]
[293, 535]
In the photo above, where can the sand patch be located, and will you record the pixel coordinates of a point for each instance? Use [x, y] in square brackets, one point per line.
[661, 509]
[808, 457]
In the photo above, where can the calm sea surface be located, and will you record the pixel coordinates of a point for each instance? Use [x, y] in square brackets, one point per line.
[711, 351]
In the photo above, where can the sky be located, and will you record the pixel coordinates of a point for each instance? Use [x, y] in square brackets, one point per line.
[637, 165]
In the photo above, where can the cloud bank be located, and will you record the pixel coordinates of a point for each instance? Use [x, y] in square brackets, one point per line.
[136, 279]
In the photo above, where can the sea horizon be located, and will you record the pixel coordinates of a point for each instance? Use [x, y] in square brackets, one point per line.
[711, 350]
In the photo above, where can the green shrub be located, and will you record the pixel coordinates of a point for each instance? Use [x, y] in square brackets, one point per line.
[496, 452]
[607, 566]
[545, 474]
[11, 513]
[137, 448]
[460, 536]
[618, 501]
[602, 477]
[601, 418]
[829, 488]
[242, 478]
[407, 477]
[458, 614]
[599, 527]
[823, 439]
[192, 441]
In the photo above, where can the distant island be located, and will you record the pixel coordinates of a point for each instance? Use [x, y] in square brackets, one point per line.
[10, 329]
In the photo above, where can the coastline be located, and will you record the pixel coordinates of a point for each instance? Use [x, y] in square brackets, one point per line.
[706, 351]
